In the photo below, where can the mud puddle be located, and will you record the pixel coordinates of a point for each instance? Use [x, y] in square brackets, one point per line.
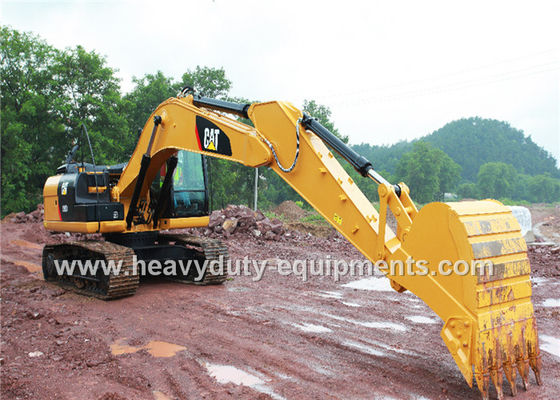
[155, 348]
[229, 374]
[376, 284]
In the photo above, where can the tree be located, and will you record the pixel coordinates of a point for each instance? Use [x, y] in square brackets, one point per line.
[47, 95]
[543, 189]
[29, 128]
[496, 180]
[149, 92]
[323, 115]
[90, 94]
[208, 81]
[473, 142]
[428, 171]
[468, 190]
[520, 189]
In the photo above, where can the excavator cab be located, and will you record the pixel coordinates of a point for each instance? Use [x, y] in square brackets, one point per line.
[190, 189]
[188, 195]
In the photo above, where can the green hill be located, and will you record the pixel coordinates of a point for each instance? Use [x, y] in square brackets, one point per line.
[472, 142]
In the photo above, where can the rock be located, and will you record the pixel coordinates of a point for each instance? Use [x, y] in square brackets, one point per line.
[270, 235]
[34, 354]
[529, 237]
[34, 216]
[523, 216]
[241, 220]
[10, 217]
[34, 315]
[229, 225]
[264, 225]
[20, 218]
[277, 226]
[216, 219]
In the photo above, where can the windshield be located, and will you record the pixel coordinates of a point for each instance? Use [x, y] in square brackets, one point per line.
[188, 173]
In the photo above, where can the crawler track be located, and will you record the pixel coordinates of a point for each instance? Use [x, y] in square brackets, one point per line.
[207, 250]
[102, 286]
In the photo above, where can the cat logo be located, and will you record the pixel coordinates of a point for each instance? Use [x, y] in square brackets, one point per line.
[64, 188]
[211, 138]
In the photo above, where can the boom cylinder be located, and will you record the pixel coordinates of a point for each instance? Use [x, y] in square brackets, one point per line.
[360, 163]
[222, 105]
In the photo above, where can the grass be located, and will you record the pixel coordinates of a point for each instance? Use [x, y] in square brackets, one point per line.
[271, 215]
[313, 218]
[510, 202]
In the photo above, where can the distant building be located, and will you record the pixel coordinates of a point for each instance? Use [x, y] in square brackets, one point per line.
[450, 196]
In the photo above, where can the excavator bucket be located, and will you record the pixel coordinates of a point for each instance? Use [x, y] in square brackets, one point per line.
[496, 333]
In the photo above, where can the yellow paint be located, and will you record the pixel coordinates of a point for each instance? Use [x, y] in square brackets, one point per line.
[155, 348]
[50, 199]
[337, 219]
[95, 189]
[180, 223]
[85, 227]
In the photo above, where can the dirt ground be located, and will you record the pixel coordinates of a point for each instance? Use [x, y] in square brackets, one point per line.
[278, 338]
[546, 221]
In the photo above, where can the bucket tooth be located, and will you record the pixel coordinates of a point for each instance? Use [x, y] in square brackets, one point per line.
[496, 372]
[509, 364]
[536, 365]
[523, 368]
[497, 379]
[483, 383]
[523, 360]
[511, 374]
[535, 356]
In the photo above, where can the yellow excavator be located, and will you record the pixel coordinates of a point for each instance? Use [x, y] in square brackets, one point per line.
[489, 325]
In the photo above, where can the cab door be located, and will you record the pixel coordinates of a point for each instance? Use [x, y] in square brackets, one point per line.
[189, 193]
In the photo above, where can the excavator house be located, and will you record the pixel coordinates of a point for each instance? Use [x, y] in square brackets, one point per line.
[489, 325]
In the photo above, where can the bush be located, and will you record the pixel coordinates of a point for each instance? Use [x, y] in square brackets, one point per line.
[468, 191]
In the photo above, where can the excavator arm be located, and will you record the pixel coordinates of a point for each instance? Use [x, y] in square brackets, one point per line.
[488, 316]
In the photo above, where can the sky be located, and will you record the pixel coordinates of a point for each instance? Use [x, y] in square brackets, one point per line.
[389, 71]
